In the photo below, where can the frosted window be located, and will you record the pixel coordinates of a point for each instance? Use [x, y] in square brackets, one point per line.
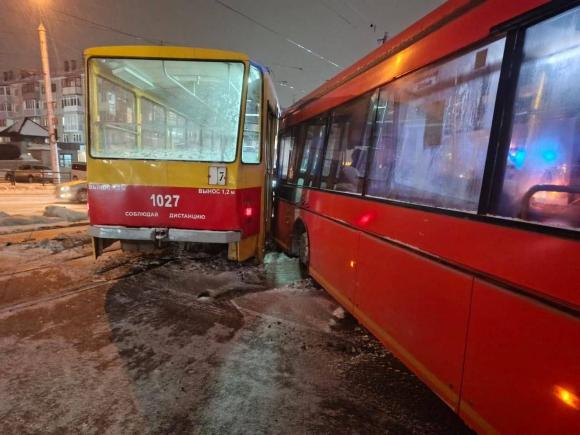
[433, 130]
[286, 145]
[345, 158]
[542, 179]
[201, 102]
[312, 152]
[253, 120]
[153, 126]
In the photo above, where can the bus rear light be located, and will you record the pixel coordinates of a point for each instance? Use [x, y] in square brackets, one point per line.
[248, 212]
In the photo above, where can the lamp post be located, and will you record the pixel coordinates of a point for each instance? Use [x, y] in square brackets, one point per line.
[54, 166]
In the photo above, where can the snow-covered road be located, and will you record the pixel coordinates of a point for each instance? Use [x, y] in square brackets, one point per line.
[187, 342]
[29, 201]
[31, 207]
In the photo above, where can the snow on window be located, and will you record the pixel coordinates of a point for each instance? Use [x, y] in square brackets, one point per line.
[165, 110]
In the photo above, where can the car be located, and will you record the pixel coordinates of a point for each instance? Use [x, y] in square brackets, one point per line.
[30, 173]
[73, 191]
[79, 171]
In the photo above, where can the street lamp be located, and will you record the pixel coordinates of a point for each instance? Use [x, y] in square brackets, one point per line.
[54, 166]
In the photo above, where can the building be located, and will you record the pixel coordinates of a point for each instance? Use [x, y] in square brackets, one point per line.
[22, 96]
[29, 137]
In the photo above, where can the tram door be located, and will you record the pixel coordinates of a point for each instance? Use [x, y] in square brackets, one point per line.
[270, 146]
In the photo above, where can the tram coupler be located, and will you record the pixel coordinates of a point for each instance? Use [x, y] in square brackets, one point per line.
[161, 234]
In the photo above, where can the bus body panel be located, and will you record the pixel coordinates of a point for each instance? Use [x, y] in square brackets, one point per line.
[333, 253]
[422, 305]
[522, 360]
[536, 262]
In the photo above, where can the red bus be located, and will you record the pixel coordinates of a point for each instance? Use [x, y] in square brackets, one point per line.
[433, 189]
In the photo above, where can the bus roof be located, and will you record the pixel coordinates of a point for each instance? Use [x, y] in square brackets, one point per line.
[452, 26]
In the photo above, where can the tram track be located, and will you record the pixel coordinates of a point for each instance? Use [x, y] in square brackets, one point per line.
[10, 309]
[44, 266]
[40, 234]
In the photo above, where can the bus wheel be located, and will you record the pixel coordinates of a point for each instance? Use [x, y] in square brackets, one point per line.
[303, 254]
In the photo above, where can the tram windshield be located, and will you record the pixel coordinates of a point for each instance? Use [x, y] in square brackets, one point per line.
[165, 109]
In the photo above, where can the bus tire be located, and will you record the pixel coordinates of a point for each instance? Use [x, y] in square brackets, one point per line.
[304, 254]
[301, 248]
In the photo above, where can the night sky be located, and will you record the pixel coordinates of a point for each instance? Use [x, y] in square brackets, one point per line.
[273, 32]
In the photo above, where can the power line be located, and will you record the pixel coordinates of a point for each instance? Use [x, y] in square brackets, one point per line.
[109, 28]
[337, 13]
[269, 29]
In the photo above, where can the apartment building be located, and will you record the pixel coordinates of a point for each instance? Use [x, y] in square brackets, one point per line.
[22, 95]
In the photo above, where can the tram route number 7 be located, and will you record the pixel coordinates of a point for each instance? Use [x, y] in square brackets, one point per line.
[217, 175]
[169, 201]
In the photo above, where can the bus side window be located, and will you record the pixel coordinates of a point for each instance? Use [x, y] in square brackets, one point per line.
[383, 144]
[296, 154]
[433, 129]
[345, 158]
[542, 177]
[312, 155]
[251, 151]
[286, 145]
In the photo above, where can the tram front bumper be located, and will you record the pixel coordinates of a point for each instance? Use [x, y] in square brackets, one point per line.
[165, 234]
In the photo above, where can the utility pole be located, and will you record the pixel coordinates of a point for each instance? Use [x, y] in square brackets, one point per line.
[49, 104]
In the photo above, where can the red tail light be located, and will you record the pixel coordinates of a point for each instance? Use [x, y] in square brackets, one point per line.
[248, 212]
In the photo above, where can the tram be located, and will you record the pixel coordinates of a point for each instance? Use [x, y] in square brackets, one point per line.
[181, 143]
[433, 188]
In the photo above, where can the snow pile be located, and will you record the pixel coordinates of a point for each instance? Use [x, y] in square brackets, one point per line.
[64, 213]
[7, 220]
[61, 242]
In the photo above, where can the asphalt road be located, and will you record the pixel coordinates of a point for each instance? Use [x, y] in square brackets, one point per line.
[187, 342]
[29, 200]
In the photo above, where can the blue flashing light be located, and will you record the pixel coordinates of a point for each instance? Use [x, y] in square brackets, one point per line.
[550, 156]
[517, 157]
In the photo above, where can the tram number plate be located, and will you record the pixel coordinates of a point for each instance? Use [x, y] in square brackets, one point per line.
[169, 201]
[217, 175]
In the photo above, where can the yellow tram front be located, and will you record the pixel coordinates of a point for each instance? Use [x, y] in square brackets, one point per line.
[180, 148]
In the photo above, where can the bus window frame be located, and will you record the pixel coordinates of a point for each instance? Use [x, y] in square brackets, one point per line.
[88, 83]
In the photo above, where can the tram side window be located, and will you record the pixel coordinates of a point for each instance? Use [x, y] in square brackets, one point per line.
[286, 145]
[542, 178]
[431, 143]
[345, 159]
[176, 130]
[152, 125]
[252, 122]
[115, 119]
[312, 152]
